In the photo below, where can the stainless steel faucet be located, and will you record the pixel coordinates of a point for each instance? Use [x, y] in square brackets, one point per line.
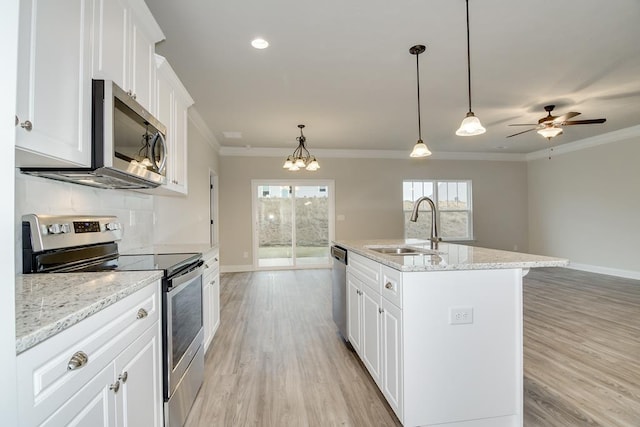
[434, 226]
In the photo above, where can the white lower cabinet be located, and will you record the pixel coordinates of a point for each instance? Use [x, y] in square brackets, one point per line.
[103, 371]
[371, 333]
[375, 326]
[432, 369]
[210, 296]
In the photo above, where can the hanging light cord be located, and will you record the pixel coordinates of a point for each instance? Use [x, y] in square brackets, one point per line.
[468, 57]
[418, 80]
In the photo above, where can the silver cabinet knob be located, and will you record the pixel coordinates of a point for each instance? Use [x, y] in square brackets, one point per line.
[389, 285]
[17, 121]
[115, 386]
[78, 360]
[142, 313]
[123, 377]
[26, 125]
[380, 310]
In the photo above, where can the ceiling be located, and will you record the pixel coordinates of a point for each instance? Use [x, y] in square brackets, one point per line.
[343, 69]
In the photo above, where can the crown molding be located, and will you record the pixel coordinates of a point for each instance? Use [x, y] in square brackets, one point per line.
[200, 124]
[365, 154]
[605, 138]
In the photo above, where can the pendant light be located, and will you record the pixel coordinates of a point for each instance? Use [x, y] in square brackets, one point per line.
[471, 124]
[420, 149]
[301, 158]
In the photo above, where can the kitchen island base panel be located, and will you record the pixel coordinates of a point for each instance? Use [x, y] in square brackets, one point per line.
[463, 374]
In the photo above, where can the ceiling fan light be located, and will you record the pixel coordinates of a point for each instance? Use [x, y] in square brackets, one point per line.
[550, 132]
[420, 150]
[470, 126]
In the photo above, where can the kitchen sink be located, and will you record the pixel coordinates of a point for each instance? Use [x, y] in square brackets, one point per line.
[401, 250]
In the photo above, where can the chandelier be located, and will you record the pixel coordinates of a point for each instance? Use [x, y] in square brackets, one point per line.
[301, 158]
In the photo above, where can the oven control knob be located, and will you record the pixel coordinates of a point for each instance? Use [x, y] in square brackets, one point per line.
[65, 228]
[55, 229]
[111, 226]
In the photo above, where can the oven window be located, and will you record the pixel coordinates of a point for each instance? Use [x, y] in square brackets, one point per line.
[186, 318]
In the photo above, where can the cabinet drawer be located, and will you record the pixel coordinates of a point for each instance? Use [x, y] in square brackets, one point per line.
[45, 381]
[392, 285]
[211, 262]
[365, 269]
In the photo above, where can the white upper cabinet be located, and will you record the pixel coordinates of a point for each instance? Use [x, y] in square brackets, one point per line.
[172, 105]
[124, 47]
[53, 108]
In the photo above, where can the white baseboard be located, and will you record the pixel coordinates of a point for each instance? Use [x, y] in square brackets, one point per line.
[236, 268]
[628, 274]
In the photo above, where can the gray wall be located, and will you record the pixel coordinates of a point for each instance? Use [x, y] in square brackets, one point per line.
[368, 193]
[584, 205]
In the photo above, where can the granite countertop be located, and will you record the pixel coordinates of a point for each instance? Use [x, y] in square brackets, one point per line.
[449, 256]
[47, 304]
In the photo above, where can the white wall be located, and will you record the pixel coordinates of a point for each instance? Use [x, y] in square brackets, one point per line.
[369, 196]
[8, 67]
[185, 219]
[585, 205]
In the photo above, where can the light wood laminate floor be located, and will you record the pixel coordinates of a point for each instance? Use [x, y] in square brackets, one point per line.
[277, 360]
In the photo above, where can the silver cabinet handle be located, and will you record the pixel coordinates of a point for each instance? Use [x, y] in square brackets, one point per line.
[26, 125]
[78, 360]
[389, 285]
[115, 386]
[123, 377]
[142, 313]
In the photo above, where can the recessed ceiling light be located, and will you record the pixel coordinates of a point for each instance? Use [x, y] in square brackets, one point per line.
[232, 135]
[260, 43]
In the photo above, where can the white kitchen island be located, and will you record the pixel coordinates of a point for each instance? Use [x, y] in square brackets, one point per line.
[440, 331]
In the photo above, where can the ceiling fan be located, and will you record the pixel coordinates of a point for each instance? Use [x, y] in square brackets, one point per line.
[550, 126]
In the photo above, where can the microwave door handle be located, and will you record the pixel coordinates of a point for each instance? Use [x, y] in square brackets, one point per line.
[163, 160]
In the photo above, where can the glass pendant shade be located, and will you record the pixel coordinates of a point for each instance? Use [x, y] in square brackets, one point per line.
[470, 126]
[550, 132]
[314, 165]
[288, 163]
[420, 150]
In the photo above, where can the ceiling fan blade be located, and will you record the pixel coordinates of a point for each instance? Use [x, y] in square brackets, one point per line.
[524, 124]
[584, 122]
[565, 117]
[520, 133]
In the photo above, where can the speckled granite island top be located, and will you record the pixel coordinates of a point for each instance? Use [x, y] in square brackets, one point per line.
[449, 256]
[47, 304]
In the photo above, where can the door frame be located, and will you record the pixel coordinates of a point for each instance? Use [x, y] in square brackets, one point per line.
[330, 183]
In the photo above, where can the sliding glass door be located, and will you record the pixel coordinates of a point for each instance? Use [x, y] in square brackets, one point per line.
[293, 223]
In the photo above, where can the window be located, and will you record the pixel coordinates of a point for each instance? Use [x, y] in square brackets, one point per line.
[453, 200]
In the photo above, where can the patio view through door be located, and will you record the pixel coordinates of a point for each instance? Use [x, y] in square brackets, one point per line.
[293, 223]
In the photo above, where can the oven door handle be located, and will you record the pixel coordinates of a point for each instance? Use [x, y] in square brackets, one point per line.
[178, 282]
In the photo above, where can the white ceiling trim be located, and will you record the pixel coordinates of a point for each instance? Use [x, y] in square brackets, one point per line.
[606, 138]
[200, 124]
[366, 154]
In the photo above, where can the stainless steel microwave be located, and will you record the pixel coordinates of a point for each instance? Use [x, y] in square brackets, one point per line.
[128, 148]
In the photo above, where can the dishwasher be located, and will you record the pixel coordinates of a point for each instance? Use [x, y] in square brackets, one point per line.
[339, 289]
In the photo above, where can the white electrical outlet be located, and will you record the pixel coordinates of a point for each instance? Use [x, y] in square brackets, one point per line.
[460, 315]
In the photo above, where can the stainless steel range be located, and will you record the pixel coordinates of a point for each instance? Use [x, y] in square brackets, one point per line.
[56, 244]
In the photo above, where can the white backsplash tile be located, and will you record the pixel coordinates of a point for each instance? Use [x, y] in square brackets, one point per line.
[46, 196]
